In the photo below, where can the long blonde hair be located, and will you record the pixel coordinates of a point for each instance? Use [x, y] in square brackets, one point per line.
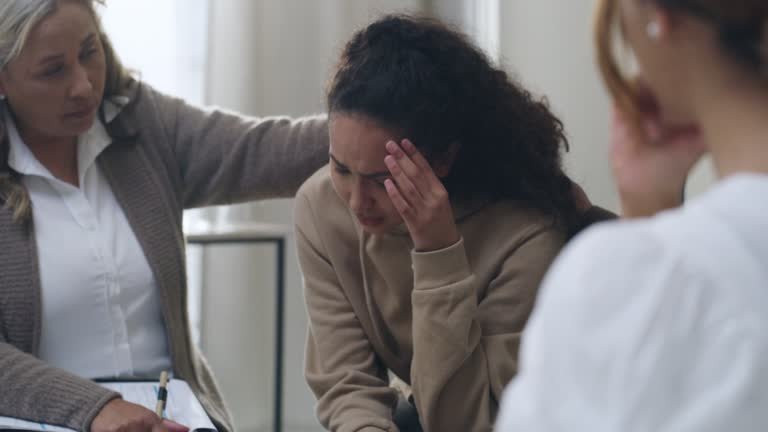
[17, 19]
[742, 26]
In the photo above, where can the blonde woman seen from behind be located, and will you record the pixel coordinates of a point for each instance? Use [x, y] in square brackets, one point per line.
[659, 323]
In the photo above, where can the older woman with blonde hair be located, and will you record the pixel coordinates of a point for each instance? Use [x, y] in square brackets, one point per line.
[95, 171]
[659, 323]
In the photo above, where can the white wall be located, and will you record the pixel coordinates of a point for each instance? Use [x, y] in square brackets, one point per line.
[547, 43]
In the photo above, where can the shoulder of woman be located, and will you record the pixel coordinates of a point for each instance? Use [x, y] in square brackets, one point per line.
[613, 265]
[317, 189]
[508, 220]
[141, 99]
[317, 201]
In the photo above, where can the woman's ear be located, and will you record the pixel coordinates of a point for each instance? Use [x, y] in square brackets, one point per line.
[443, 163]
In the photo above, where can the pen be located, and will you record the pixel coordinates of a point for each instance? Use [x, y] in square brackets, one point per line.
[162, 394]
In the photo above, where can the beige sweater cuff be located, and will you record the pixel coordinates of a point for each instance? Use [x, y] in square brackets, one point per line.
[440, 268]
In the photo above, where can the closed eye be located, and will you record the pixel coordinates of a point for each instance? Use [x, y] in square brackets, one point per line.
[52, 71]
[338, 166]
[88, 54]
[340, 170]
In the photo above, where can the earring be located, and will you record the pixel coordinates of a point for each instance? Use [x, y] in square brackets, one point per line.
[653, 29]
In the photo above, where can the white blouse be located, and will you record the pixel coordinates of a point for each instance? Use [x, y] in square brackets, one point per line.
[655, 325]
[101, 315]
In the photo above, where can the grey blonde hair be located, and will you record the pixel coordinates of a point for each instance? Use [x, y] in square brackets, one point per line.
[17, 19]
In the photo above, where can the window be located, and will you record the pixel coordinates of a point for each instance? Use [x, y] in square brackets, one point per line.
[165, 41]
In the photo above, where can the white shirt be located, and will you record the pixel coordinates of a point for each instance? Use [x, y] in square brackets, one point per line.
[101, 315]
[657, 325]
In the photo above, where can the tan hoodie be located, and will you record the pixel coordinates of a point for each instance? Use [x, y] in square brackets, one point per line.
[447, 322]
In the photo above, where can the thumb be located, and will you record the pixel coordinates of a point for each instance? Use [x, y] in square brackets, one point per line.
[172, 426]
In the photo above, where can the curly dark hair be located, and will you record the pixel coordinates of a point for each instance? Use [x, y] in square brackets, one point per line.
[419, 77]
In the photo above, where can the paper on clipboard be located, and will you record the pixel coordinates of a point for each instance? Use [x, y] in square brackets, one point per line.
[182, 406]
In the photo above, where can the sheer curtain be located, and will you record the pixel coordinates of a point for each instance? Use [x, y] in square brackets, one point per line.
[480, 19]
[164, 41]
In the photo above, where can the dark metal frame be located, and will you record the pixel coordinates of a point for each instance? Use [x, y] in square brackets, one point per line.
[279, 241]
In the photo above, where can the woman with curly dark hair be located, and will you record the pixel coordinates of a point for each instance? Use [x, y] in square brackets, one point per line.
[424, 241]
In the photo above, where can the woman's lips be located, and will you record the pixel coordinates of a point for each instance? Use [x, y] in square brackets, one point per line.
[80, 114]
[370, 221]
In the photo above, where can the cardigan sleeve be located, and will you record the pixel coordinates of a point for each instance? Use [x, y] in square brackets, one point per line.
[226, 158]
[33, 390]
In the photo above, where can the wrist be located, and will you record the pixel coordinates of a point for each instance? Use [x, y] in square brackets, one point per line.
[98, 409]
[425, 244]
[638, 206]
[440, 268]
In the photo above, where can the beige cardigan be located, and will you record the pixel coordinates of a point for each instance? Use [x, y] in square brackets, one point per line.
[447, 322]
[166, 156]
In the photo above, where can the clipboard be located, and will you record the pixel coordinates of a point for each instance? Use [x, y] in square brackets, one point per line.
[182, 406]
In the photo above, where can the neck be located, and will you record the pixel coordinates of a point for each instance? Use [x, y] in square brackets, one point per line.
[734, 120]
[58, 155]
